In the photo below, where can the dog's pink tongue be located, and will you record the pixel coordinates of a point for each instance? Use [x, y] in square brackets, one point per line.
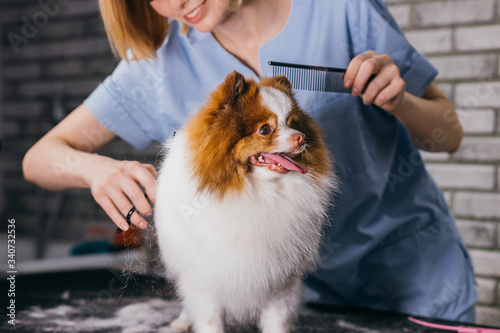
[285, 161]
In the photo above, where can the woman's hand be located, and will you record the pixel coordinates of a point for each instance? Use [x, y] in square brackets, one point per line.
[431, 120]
[116, 186]
[64, 158]
[386, 90]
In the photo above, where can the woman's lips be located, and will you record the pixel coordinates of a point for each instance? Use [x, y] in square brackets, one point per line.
[195, 15]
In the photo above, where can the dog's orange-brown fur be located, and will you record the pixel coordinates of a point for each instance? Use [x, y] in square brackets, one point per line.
[224, 135]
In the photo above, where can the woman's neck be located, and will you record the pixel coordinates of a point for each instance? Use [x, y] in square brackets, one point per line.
[250, 27]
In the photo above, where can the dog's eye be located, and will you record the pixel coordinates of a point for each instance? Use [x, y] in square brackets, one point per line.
[264, 130]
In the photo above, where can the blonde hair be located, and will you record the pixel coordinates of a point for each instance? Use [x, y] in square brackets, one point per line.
[133, 25]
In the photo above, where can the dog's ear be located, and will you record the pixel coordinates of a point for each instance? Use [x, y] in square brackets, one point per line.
[233, 87]
[280, 82]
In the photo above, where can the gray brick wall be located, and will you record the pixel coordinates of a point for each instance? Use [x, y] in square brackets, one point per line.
[54, 53]
[2, 130]
[460, 38]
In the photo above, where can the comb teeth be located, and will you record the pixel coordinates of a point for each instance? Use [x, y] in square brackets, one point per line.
[312, 77]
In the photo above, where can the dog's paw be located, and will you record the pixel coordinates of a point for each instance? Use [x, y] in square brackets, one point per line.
[181, 324]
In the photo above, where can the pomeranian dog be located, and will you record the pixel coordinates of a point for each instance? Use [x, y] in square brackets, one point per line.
[242, 198]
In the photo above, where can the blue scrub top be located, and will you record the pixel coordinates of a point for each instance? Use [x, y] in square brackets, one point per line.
[391, 242]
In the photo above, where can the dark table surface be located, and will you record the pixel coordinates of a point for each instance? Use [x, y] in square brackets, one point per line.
[109, 301]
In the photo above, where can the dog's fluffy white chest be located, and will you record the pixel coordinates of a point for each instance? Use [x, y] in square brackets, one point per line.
[247, 244]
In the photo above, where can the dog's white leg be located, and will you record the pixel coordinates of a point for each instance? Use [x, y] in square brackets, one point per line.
[279, 312]
[181, 323]
[206, 315]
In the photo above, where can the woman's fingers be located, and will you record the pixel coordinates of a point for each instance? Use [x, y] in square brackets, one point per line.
[129, 186]
[374, 65]
[379, 83]
[130, 195]
[147, 178]
[385, 90]
[352, 78]
[110, 209]
[390, 97]
[140, 203]
[119, 188]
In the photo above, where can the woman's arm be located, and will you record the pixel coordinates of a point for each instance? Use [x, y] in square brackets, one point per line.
[431, 119]
[64, 158]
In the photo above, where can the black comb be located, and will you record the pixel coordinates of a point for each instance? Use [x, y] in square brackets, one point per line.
[316, 78]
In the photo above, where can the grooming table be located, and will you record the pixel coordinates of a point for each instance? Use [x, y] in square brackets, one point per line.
[111, 302]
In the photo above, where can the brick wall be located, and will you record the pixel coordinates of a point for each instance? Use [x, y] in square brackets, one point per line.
[55, 53]
[461, 38]
[2, 200]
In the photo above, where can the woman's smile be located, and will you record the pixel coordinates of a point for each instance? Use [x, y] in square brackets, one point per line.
[196, 14]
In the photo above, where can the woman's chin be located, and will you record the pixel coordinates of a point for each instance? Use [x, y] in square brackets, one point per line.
[211, 21]
[206, 26]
